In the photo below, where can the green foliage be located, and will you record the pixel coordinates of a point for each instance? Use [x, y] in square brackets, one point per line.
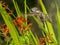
[28, 38]
[58, 23]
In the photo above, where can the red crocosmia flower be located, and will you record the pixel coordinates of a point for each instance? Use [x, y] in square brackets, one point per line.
[42, 40]
[20, 20]
[15, 22]
[6, 31]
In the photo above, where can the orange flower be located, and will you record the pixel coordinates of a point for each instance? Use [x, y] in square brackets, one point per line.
[5, 29]
[15, 22]
[42, 40]
[20, 20]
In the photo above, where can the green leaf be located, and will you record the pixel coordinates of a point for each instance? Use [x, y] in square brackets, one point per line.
[12, 30]
[17, 8]
[58, 23]
[49, 25]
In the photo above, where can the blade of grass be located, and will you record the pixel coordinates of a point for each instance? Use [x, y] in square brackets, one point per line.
[10, 25]
[17, 8]
[58, 23]
[25, 10]
[38, 40]
[32, 36]
[49, 25]
[30, 39]
[11, 43]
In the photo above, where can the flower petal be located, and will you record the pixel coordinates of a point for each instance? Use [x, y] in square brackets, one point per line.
[15, 22]
[19, 18]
